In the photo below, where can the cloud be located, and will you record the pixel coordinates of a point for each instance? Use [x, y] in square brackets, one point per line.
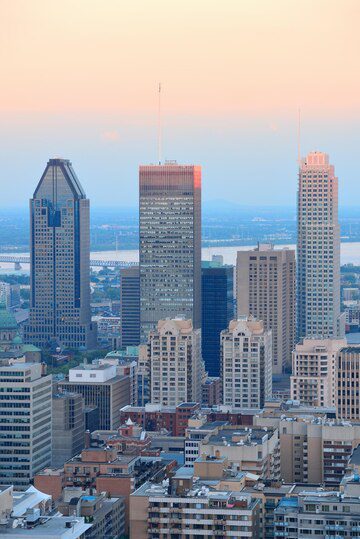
[110, 135]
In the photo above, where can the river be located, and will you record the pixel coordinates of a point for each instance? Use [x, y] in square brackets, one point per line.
[350, 253]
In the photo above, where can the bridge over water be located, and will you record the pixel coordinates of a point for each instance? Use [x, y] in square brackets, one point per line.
[18, 260]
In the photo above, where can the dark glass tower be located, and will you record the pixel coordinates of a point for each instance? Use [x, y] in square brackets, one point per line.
[217, 310]
[170, 244]
[130, 306]
[60, 259]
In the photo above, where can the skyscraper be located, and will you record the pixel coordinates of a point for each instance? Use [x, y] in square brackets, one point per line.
[60, 258]
[217, 310]
[246, 365]
[130, 306]
[318, 250]
[170, 244]
[265, 289]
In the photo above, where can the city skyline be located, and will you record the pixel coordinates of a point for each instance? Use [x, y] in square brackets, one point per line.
[104, 104]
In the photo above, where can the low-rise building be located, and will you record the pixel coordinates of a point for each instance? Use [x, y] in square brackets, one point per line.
[206, 501]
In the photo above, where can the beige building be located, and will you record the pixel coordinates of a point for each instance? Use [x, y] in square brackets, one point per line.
[313, 377]
[318, 250]
[265, 289]
[207, 501]
[347, 383]
[313, 449]
[253, 450]
[246, 365]
[175, 364]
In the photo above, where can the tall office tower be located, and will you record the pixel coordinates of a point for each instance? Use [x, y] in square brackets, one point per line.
[170, 244]
[25, 423]
[175, 364]
[347, 383]
[318, 250]
[246, 364]
[130, 306]
[59, 255]
[313, 380]
[217, 290]
[265, 289]
[68, 427]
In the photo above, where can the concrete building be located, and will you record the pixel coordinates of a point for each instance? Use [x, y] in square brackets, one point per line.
[68, 427]
[207, 501]
[105, 513]
[347, 383]
[265, 289]
[170, 244]
[130, 306]
[126, 360]
[60, 261]
[319, 514]
[253, 450]
[246, 364]
[175, 364]
[217, 289]
[313, 380]
[313, 449]
[318, 250]
[25, 423]
[102, 387]
[211, 391]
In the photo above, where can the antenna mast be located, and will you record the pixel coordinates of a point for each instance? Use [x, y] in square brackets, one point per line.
[159, 125]
[299, 136]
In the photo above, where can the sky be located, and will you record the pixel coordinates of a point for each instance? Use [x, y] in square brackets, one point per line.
[79, 80]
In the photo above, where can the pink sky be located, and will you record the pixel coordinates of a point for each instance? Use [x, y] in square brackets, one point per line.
[211, 56]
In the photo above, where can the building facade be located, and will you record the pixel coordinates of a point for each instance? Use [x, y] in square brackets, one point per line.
[130, 306]
[25, 423]
[217, 290]
[318, 250]
[347, 397]
[102, 387]
[60, 261]
[246, 364]
[68, 427]
[174, 355]
[313, 381]
[265, 289]
[170, 244]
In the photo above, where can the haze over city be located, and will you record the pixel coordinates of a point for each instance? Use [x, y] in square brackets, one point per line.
[79, 80]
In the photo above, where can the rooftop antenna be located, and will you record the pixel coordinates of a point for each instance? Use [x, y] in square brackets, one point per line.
[159, 125]
[299, 136]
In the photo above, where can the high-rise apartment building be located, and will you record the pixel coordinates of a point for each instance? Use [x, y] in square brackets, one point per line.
[246, 364]
[60, 261]
[318, 250]
[175, 364]
[130, 306]
[347, 397]
[170, 244]
[25, 423]
[313, 380]
[217, 289]
[265, 289]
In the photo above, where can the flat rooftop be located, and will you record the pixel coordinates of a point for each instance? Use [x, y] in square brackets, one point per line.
[49, 528]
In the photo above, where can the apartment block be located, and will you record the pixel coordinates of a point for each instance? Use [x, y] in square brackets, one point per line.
[175, 364]
[313, 380]
[246, 364]
[347, 398]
